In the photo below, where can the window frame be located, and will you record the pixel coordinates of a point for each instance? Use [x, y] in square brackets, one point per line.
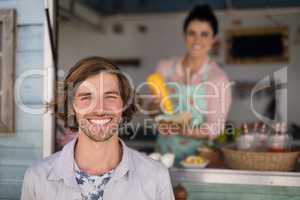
[7, 71]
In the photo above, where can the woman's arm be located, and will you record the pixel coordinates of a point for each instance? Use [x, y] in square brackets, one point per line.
[218, 105]
[153, 106]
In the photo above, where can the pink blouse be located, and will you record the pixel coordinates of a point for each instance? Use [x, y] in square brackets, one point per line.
[217, 88]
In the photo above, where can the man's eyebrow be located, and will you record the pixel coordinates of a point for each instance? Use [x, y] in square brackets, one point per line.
[84, 94]
[113, 92]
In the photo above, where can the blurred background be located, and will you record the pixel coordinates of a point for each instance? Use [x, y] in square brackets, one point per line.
[136, 34]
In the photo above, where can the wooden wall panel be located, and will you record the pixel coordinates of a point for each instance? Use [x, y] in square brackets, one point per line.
[25, 147]
[29, 11]
[30, 38]
[23, 139]
[28, 60]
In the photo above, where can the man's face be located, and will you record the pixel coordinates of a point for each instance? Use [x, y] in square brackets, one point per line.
[98, 106]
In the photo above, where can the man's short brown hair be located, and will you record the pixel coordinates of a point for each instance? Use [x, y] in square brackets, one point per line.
[84, 69]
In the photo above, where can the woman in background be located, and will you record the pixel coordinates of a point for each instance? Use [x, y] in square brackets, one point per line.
[197, 85]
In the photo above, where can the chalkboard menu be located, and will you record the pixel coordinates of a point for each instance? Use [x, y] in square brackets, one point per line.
[257, 45]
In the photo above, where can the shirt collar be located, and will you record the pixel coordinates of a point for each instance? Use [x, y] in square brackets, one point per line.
[64, 166]
[179, 68]
[126, 164]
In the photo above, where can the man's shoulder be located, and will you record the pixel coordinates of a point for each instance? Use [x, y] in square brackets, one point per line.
[154, 176]
[145, 163]
[43, 166]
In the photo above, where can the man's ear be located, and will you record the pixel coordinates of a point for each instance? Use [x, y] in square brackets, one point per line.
[72, 119]
[71, 109]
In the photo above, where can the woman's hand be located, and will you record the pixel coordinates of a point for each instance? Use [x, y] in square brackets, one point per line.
[154, 107]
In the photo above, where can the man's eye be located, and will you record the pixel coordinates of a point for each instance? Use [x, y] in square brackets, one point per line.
[111, 97]
[85, 98]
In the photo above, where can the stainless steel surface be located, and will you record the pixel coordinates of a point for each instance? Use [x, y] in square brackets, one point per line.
[225, 176]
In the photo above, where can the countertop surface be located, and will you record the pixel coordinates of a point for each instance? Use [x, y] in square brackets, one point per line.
[229, 176]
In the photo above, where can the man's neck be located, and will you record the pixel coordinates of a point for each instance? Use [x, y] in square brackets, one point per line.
[97, 157]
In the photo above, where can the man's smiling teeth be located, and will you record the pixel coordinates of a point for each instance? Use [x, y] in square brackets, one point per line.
[100, 121]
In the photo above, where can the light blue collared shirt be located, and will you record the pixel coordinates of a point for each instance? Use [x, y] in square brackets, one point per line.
[137, 177]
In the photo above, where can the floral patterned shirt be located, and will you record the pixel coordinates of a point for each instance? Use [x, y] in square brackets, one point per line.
[92, 186]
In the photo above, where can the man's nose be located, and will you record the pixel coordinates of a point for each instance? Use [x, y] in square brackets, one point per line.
[98, 105]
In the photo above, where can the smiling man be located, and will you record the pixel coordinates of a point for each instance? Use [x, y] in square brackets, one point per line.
[97, 164]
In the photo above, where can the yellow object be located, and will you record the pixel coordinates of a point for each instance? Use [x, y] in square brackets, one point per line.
[195, 160]
[157, 85]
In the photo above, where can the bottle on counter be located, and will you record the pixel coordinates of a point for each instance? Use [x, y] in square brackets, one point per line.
[262, 138]
[246, 140]
[255, 130]
[255, 134]
[280, 141]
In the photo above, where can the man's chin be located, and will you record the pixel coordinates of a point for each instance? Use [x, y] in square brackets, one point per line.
[97, 138]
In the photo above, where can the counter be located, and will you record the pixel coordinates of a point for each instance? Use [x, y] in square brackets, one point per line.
[220, 184]
[226, 176]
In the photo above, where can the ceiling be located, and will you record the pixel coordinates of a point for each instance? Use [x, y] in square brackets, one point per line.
[110, 7]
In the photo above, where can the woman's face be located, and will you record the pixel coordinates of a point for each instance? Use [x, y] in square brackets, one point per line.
[199, 38]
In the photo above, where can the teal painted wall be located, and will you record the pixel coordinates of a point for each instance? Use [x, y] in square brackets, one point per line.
[25, 147]
[240, 192]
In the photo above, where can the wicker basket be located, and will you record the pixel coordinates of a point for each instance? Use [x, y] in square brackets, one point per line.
[261, 161]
